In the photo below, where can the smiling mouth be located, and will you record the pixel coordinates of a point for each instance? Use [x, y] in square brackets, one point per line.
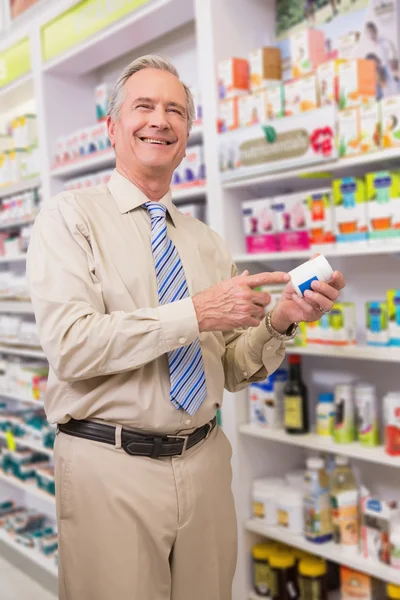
[149, 140]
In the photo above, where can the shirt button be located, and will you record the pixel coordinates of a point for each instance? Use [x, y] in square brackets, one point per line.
[245, 373]
[182, 340]
[188, 421]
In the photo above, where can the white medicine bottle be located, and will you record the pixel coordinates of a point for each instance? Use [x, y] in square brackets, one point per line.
[316, 269]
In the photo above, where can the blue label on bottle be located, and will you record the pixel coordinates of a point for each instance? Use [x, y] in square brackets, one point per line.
[306, 285]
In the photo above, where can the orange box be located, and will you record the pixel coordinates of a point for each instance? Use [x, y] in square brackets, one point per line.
[233, 78]
[301, 95]
[357, 82]
[265, 67]
[307, 50]
[328, 81]
[228, 115]
[348, 131]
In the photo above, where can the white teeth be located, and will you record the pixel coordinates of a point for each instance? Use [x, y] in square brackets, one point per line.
[151, 141]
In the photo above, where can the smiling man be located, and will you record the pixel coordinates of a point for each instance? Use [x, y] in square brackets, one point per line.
[144, 321]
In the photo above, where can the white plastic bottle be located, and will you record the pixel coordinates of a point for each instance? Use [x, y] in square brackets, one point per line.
[316, 269]
[325, 415]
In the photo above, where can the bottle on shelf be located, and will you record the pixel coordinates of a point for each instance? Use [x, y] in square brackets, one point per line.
[325, 414]
[345, 503]
[295, 396]
[317, 510]
[344, 414]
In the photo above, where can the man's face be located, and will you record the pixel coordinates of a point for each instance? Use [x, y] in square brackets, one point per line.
[151, 131]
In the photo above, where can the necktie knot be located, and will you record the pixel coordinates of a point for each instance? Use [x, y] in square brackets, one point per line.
[156, 210]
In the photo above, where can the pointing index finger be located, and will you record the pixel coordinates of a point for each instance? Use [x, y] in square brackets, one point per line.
[272, 278]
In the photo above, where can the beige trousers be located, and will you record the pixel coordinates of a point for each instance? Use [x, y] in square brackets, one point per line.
[134, 528]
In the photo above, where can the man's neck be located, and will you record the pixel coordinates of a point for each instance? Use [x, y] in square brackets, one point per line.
[154, 187]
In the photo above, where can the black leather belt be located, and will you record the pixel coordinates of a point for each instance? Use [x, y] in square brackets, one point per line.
[136, 443]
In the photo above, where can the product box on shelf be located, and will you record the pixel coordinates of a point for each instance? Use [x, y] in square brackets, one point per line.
[233, 78]
[83, 141]
[338, 328]
[194, 165]
[393, 304]
[301, 95]
[383, 205]
[98, 138]
[275, 101]
[321, 218]
[391, 418]
[259, 226]
[357, 585]
[103, 93]
[349, 200]
[259, 107]
[357, 82]
[24, 131]
[390, 117]
[377, 324]
[376, 518]
[291, 217]
[266, 400]
[228, 115]
[245, 105]
[6, 142]
[348, 132]
[307, 50]
[265, 67]
[197, 105]
[328, 82]
[59, 156]
[370, 127]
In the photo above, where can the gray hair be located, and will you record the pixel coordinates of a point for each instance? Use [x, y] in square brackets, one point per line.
[150, 61]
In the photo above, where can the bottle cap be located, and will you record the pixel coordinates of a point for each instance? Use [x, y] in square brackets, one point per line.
[323, 265]
[312, 567]
[294, 359]
[263, 551]
[393, 591]
[315, 463]
[326, 397]
[282, 560]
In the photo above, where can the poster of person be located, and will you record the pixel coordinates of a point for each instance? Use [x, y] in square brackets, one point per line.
[352, 29]
[17, 7]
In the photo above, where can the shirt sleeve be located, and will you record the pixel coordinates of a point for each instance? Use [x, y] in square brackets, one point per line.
[250, 355]
[79, 339]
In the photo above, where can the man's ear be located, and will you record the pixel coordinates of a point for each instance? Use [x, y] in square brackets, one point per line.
[111, 130]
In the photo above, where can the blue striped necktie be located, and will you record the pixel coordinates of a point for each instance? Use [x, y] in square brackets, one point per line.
[186, 369]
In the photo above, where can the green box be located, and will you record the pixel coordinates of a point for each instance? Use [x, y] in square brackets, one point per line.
[349, 201]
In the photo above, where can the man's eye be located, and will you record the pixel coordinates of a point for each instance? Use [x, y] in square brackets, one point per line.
[143, 106]
[175, 110]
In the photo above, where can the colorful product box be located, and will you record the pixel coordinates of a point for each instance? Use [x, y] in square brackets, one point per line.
[390, 116]
[370, 127]
[103, 93]
[328, 82]
[259, 226]
[354, 584]
[348, 132]
[338, 328]
[383, 205]
[228, 115]
[346, 44]
[292, 222]
[321, 218]
[193, 164]
[357, 82]
[275, 102]
[259, 107]
[245, 111]
[349, 200]
[376, 519]
[233, 78]
[301, 95]
[265, 67]
[291, 90]
[393, 304]
[307, 49]
[377, 323]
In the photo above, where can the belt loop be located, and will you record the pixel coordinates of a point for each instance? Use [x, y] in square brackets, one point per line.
[118, 436]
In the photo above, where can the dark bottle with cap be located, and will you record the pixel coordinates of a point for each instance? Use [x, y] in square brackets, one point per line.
[295, 396]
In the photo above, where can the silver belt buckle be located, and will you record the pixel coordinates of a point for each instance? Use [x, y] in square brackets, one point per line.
[185, 439]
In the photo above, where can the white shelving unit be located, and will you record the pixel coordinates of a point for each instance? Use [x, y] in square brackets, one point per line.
[17, 188]
[7, 396]
[30, 443]
[22, 351]
[40, 560]
[196, 35]
[29, 488]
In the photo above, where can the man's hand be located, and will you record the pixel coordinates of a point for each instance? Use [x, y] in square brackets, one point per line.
[234, 303]
[291, 308]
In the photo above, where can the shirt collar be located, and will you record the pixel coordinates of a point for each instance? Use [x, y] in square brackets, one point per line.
[128, 196]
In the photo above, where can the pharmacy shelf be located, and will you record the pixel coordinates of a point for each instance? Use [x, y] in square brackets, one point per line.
[18, 188]
[192, 192]
[7, 396]
[375, 353]
[27, 442]
[317, 443]
[22, 308]
[40, 560]
[12, 259]
[80, 166]
[16, 224]
[23, 351]
[319, 175]
[329, 551]
[29, 488]
[17, 92]
[348, 250]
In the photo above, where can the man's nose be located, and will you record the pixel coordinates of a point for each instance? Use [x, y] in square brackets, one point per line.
[159, 119]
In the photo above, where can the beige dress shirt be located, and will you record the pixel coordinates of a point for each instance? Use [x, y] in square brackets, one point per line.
[94, 292]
